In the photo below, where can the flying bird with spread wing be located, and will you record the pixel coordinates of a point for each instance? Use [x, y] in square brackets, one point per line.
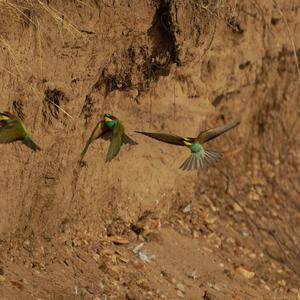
[109, 128]
[12, 128]
[200, 157]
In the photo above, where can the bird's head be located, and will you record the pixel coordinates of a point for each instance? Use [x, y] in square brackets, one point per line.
[5, 116]
[110, 120]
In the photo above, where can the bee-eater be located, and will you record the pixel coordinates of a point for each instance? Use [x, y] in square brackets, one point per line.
[12, 128]
[109, 128]
[200, 157]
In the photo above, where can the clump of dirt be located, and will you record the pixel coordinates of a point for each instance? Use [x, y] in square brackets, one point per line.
[138, 227]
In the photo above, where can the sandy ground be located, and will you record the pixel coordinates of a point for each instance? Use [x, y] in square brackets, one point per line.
[138, 227]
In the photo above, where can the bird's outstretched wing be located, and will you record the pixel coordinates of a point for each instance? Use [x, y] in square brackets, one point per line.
[99, 131]
[210, 134]
[114, 148]
[116, 142]
[166, 138]
[128, 140]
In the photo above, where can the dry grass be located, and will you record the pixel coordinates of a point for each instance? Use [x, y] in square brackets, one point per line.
[32, 13]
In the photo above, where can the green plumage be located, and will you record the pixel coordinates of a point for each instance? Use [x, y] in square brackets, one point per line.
[200, 157]
[12, 128]
[109, 128]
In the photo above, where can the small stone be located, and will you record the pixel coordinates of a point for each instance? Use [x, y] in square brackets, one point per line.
[180, 294]
[192, 275]
[133, 93]
[173, 280]
[210, 220]
[187, 209]
[118, 240]
[246, 273]
[230, 240]
[254, 196]
[26, 243]
[2, 278]
[142, 282]
[96, 256]
[245, 233]
[282, 283]
[237, 208]
[195, 234]
[180, 287]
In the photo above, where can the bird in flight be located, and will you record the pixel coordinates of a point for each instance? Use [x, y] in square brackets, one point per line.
[200, 156]
[109, 128]
[12, 128]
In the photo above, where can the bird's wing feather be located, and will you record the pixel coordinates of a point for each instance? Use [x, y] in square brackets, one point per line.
[107, 135]
[128, 140]
[115, 142]
[98, 131]
[210, 134]
[164, 137]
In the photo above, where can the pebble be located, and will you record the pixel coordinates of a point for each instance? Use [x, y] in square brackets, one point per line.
[237, 208]
[133, 93]
[246, 273]
[187, 209]
[2, 278]
[180, 294]
[282, 282]
[180, 287]
[96, 256]
[230, 240]
[195, 234]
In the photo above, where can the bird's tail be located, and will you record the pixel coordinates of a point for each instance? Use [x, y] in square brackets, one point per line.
[201, 160]
[31, 144]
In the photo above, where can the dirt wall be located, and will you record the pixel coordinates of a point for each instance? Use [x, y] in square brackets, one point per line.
[174, 66]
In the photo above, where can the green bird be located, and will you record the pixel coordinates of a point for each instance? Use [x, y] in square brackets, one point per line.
[12, 128]
[109, 128]
[200, 157]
